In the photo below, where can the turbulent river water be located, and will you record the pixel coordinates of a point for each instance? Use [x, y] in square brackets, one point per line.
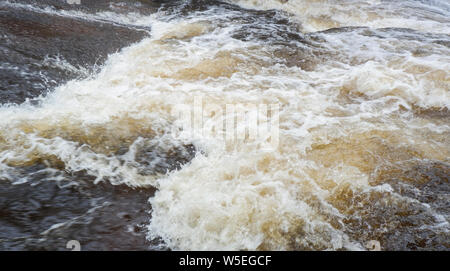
[90, 149]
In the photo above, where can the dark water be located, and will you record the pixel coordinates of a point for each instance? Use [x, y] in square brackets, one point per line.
[101, 217]
[31, 37]
[40, 51]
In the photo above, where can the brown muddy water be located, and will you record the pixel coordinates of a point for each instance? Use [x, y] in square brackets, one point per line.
[88, 150]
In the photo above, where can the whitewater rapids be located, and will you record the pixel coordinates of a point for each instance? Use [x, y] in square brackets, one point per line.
[363, 89]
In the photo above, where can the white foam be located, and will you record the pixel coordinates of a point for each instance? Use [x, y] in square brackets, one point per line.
[324, 14]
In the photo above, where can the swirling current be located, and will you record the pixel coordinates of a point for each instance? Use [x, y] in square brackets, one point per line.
[91, 150]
